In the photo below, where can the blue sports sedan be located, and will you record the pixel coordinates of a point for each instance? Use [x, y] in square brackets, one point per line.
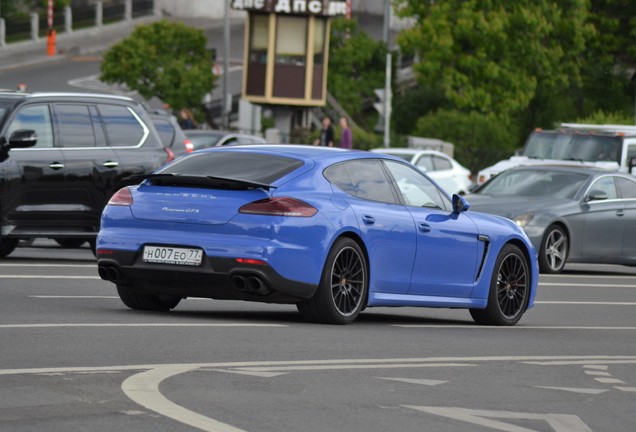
[332, 231]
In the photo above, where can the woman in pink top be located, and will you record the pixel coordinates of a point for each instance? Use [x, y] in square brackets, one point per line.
[346, 140]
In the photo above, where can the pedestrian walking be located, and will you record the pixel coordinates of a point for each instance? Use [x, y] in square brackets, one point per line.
[346, 139]
[326, 134]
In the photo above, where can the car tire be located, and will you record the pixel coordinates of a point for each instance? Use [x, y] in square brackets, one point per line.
[147, 302]
[342, 292]
[69, 242]
[7, 245]
[554, 251]
[509, 289]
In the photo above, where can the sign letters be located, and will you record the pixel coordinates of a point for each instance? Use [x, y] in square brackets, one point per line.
[293, 7]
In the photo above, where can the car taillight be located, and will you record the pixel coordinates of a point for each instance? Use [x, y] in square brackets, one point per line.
[170, 155]
[122, 197]
[188, 145]
[279, 207]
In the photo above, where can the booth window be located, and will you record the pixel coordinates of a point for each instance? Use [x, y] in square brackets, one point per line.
[291, 57]
[257, 71]
[319, 58]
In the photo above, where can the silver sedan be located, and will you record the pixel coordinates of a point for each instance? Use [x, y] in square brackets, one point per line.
[571, 214]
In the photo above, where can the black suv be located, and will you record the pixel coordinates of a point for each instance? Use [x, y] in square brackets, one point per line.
[62, 156]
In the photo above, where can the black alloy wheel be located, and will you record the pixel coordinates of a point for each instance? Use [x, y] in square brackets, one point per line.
[342, 292]
[509, 289]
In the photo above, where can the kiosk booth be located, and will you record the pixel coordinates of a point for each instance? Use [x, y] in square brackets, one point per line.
[286, 50]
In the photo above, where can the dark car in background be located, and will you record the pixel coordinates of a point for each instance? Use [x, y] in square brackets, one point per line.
[206, 138]
[571, 214]
[62, 156]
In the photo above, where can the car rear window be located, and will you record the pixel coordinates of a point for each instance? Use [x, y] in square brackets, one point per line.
[260, 168]
[165, 130]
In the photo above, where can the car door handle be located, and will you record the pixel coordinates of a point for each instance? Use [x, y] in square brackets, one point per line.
[110, 164]
[620, 213]
[56, 166]
[368, 220]
[424, 227]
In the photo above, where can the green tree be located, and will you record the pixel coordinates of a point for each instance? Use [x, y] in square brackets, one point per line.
[490, 55]
[356, 65]
[166, 60]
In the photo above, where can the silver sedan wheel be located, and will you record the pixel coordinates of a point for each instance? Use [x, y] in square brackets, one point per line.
[555, 250]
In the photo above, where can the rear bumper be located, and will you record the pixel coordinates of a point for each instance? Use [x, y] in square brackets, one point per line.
[216, 278]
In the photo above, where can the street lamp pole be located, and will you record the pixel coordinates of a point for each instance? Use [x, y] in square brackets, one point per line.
[227, 101]
[387, 82]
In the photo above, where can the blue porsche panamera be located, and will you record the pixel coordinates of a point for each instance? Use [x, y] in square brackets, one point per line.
[332, 231]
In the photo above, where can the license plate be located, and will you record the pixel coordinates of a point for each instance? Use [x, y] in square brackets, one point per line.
[173, 255]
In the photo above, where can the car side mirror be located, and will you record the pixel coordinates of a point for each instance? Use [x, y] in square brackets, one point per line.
[596, 195]
[23, 138]
[460, 204]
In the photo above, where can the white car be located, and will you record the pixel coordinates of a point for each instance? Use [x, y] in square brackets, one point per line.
[446, 171]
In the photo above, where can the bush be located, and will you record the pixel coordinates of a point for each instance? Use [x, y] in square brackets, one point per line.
[480, 139]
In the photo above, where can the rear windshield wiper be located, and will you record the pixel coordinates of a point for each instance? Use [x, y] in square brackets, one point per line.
[162, 179]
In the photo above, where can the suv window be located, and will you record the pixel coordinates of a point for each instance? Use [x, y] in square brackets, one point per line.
[75, 125]
[364, 179]
[37, 118]
[573, 146]
[122, 127]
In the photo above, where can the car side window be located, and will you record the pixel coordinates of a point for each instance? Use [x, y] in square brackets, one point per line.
[607, 185]
[165, 130]
[416, 189]
[441, 163]
[75, 125]
[37, 118]
[425, 163]
[122, 127]
[626, 187]
[364, 179]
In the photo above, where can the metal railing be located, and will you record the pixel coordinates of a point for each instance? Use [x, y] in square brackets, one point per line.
[33, 27]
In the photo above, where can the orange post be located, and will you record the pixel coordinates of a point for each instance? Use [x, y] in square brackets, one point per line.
[50, 42]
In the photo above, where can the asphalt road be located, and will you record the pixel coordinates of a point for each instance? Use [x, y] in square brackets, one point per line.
[74, 358]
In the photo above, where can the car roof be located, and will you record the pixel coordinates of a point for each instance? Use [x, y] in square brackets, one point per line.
[581, 169]
[408, 151]
[301, 151]
[22, 95]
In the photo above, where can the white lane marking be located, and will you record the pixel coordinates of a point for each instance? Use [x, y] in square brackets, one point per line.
[596, 367]
[240, 372]
[540, 360]
[558, 422]
[509, 328]
[575, 390]
[75, 325]
[588, 276]
[47, 277]
[609, 381]
[626, 389]
[597, 373]
[580, 362]
[426, 382]
[554, 284]
[596, 303]
[352, 366]
[72, 297]
[143, 388]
